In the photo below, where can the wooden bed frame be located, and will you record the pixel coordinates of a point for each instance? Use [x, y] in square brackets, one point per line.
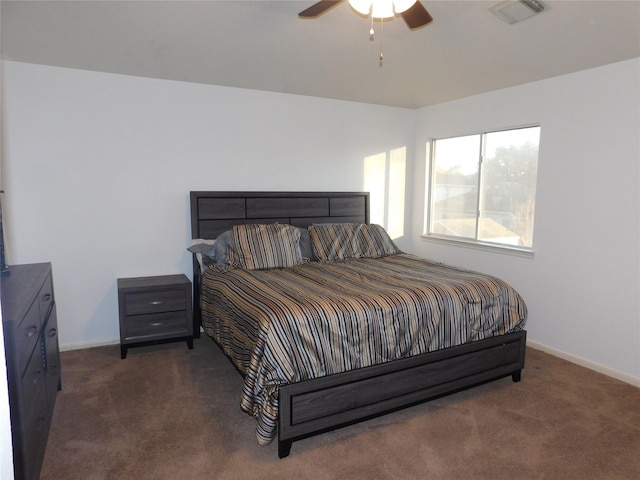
[318, 405]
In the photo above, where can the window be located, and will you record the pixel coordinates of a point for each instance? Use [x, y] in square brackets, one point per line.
[482, 187]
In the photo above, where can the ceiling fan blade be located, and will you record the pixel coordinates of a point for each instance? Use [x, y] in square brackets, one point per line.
[318, 8]
[417, 16]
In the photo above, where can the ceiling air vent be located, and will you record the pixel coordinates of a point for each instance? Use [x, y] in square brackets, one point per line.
[514, 11]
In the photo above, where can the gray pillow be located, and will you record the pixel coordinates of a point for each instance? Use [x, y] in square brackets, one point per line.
[305, 244]
[219, 251]
[204, 248]
[221, 248]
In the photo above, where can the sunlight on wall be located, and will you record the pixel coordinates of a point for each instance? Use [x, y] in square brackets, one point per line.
[427, 183]
[375, 168]
[384, 179]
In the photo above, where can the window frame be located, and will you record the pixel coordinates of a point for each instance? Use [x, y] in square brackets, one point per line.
[429, 206]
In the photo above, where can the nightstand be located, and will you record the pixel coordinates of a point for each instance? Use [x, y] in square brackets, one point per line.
[154, 309]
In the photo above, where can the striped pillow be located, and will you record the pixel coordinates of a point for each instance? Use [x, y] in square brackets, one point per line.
[341, 241]
[260, 246]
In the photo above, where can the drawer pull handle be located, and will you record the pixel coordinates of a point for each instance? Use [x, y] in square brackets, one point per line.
[32, 331]
[156, 324]
[156, 302]
[46, 297]
[52, 332]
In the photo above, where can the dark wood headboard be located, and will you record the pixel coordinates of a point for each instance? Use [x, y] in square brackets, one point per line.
[215, 212]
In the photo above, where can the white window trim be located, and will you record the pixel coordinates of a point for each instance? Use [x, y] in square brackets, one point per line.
[478, 245]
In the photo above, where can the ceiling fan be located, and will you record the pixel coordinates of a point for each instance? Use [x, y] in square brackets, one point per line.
[412, 11]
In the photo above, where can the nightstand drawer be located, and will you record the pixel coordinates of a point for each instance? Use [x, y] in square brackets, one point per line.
[156, 325]
[153, 302]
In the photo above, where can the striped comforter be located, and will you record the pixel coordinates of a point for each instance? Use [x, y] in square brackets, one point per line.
[286, 325]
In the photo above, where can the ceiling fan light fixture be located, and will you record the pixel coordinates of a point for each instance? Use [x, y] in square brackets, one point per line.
[381, 8]
[361, 6]
[403, 5]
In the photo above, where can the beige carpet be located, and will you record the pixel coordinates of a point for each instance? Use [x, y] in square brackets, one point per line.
[166, 412]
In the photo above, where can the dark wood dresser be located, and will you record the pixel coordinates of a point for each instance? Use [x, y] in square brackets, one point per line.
[33, 361]
[154, 309]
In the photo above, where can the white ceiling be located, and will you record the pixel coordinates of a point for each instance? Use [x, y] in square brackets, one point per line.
[263, 45]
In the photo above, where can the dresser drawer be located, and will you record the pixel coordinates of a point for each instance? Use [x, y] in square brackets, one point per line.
[27, 335]
[32, 383]
[45, 299]
[50, 339]
[35, 444]
[156, 325]
[153, 302]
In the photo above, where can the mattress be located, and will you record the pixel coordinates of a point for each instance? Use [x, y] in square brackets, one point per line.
[281, 326]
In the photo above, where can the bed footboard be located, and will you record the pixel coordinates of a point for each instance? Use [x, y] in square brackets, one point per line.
[322, 404]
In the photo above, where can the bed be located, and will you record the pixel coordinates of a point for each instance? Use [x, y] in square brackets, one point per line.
[279, 326]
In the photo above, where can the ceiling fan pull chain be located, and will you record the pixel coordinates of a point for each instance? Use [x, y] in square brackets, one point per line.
[381, 41]
[371, 31]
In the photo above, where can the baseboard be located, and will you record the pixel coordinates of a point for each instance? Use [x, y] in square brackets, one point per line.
[81, 346]
[610, 372]
[106, 343]
[538, 346]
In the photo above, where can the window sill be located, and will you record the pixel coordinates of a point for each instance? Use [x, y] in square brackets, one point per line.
[485, 246]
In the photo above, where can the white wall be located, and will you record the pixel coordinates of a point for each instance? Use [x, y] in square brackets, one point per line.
[583, 285]
[6, 444]
[98, 169]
